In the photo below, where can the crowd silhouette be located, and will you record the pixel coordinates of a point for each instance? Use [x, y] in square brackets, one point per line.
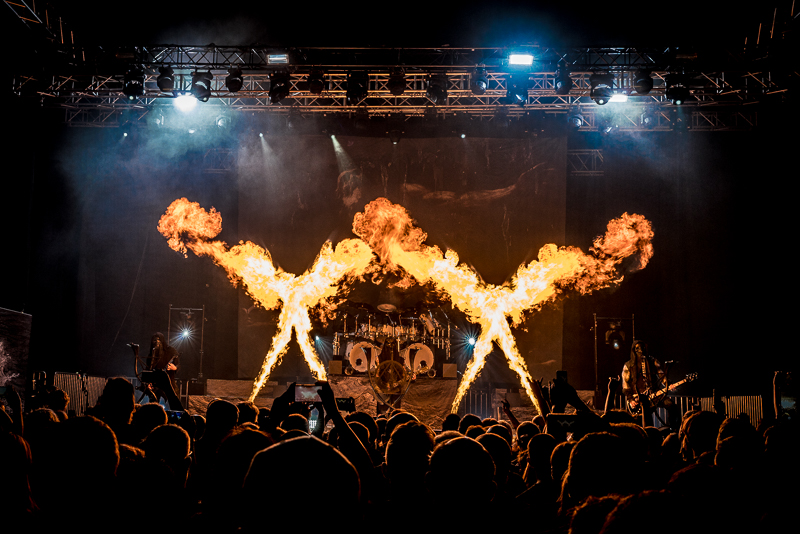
[138, 468]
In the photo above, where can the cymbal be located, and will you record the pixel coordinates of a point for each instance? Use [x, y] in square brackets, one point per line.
[387, 308]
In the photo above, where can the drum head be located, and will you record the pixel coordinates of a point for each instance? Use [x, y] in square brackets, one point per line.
[417, 356]
[363, 355]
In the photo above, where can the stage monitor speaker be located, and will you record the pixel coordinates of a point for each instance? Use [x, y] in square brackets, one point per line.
[335, 367]
[449, 370]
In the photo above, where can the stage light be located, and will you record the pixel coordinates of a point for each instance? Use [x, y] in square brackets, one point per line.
[601, 88]
[192, 130]
[185, 102]
[234, 80]
[463, 136]
[563, 82]
[260, 134]
[642, 82]
[357, 87]
[201, 85]
[397, 82]
[619, 97]
[279, 85]
[517, 90]
[124, 134]
[166, 79]
[394, 136]
[133, 84]
[575, 120]
[525, 60]
[677, 89]
[648, 119]
[278, 59]
[471, 341]
[479, 81]
[437, 89]
[222, 122]
[316, 82]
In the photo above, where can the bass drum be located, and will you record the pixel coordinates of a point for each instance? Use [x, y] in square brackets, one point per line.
[417, 356]
[363, 355]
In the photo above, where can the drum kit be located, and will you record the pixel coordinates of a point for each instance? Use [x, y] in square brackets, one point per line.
[371, 336]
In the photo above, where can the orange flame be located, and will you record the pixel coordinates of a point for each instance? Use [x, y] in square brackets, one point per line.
[187, 225]
[390, 231]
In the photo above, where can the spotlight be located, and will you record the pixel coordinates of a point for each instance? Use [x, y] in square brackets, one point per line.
[397, 82]
[575, 120]
[619, 97]
[601, 88]
[281, 58]
[316, 82]
[471, 341]
[479, 81]
[279, 85]
[357, 87]
[642, 82]
[517, 91]
[222, 122]
[234, 81]
[563, 82]
[133, 83]
[648, 119]
[166, 79]
[437, 89]
[677, 89]
[185, 102]
[525, 60]
[201, 85]
[394, 136]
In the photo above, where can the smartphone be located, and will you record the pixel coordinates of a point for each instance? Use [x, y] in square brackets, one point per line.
[306, 393]
[174, 417]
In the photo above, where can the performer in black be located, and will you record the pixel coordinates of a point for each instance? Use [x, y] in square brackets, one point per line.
[161, 357]
[642, 375]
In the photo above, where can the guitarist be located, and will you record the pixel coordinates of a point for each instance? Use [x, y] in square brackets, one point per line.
[162, 357]
[641, 375]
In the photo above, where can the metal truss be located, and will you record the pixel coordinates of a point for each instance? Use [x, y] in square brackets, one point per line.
[585, 162]
[91, 92]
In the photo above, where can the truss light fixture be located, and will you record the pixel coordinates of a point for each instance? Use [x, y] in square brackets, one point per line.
[479, 81]
[397, 82]
[618, 97]
[395, 136]
[201, 85]
[642, 82]
[316, 82]
[575, 119]
[648, 119]
[517, 90]
[279, 86]
[133, 84]
[278, 58]
[185, 102]
[563, 82]
[677, 90]
[437, 89]
[601, 88]
[520, 60]
[166, 79]
[234, 81]
[357, 87]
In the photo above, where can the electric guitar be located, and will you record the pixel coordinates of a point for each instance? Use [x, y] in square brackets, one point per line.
[635, 402]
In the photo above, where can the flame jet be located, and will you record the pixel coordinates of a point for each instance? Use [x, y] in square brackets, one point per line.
[390, 232]
[187, 225]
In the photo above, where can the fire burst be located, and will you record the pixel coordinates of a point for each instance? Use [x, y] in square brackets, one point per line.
[187, 225]
[389, 230]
